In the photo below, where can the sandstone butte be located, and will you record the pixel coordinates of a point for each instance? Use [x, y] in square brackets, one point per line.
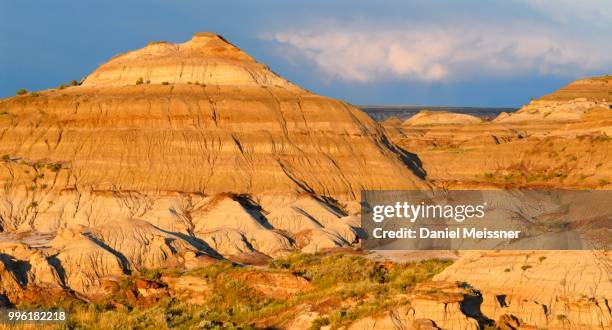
[174, 154]
[177, 155]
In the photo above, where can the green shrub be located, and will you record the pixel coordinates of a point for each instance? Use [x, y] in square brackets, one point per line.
[22, 91]
[602, 138]
[319, 322]
[151, 274]
[54, 167]
[62, 86]
[379, 274]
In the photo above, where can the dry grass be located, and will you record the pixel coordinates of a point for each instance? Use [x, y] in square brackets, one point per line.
[344, 288]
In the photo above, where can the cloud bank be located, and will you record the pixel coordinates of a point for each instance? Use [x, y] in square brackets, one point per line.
[457, 50]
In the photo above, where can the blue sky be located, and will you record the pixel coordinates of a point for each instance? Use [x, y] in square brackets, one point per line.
[463, 53]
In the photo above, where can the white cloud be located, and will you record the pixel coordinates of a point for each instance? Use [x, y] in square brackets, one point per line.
[455, 51]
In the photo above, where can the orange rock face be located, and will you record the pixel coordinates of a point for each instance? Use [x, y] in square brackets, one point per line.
[240, 129]
[174, 154]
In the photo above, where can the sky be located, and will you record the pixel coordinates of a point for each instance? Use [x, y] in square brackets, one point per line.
[438, 53]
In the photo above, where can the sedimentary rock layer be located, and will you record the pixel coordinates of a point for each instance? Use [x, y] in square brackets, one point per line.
[174, 154]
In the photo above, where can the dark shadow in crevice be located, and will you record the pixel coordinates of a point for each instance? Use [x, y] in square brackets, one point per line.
[5, 302]
[196, 242]
[501, 300]
[253, 209]
[19, 268]
[57, 265]
[410, 159]
[125, 264]
[470, 306]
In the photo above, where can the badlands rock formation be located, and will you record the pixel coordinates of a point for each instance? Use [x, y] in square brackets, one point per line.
[561, 140]
[173, 155]
[177, 155]
[543, 289]
[425, 117]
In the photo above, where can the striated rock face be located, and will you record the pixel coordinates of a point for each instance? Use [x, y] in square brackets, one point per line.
[242, 135]
[175, 153]
[563, 139]
[205, 59]
[434, 305]
[440, 118]
[545, 289]
[567, 104]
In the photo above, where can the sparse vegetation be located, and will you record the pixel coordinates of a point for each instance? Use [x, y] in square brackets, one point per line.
[525, 267]
[139, 81]
[62, 86]
[235, 304]
[602, 138]
[319, 322]
[54, 167]
[151, 274]
[165, 83]
[74, 83]
[22, 91]
[603, 182]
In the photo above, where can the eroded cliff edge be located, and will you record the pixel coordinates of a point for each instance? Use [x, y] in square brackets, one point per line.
[174, 154]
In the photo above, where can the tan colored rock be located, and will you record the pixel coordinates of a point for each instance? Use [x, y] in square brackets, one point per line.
[172, 154]
[191, 289]
[436, 305]
[424, 118]
[567, 104]
[237, 137]
[275, 284]
[533, 153]
[84, 262]
[206, 59]
[546, 289]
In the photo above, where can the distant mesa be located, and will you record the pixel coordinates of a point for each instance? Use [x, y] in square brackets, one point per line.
[569, 103]
[426, 117]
